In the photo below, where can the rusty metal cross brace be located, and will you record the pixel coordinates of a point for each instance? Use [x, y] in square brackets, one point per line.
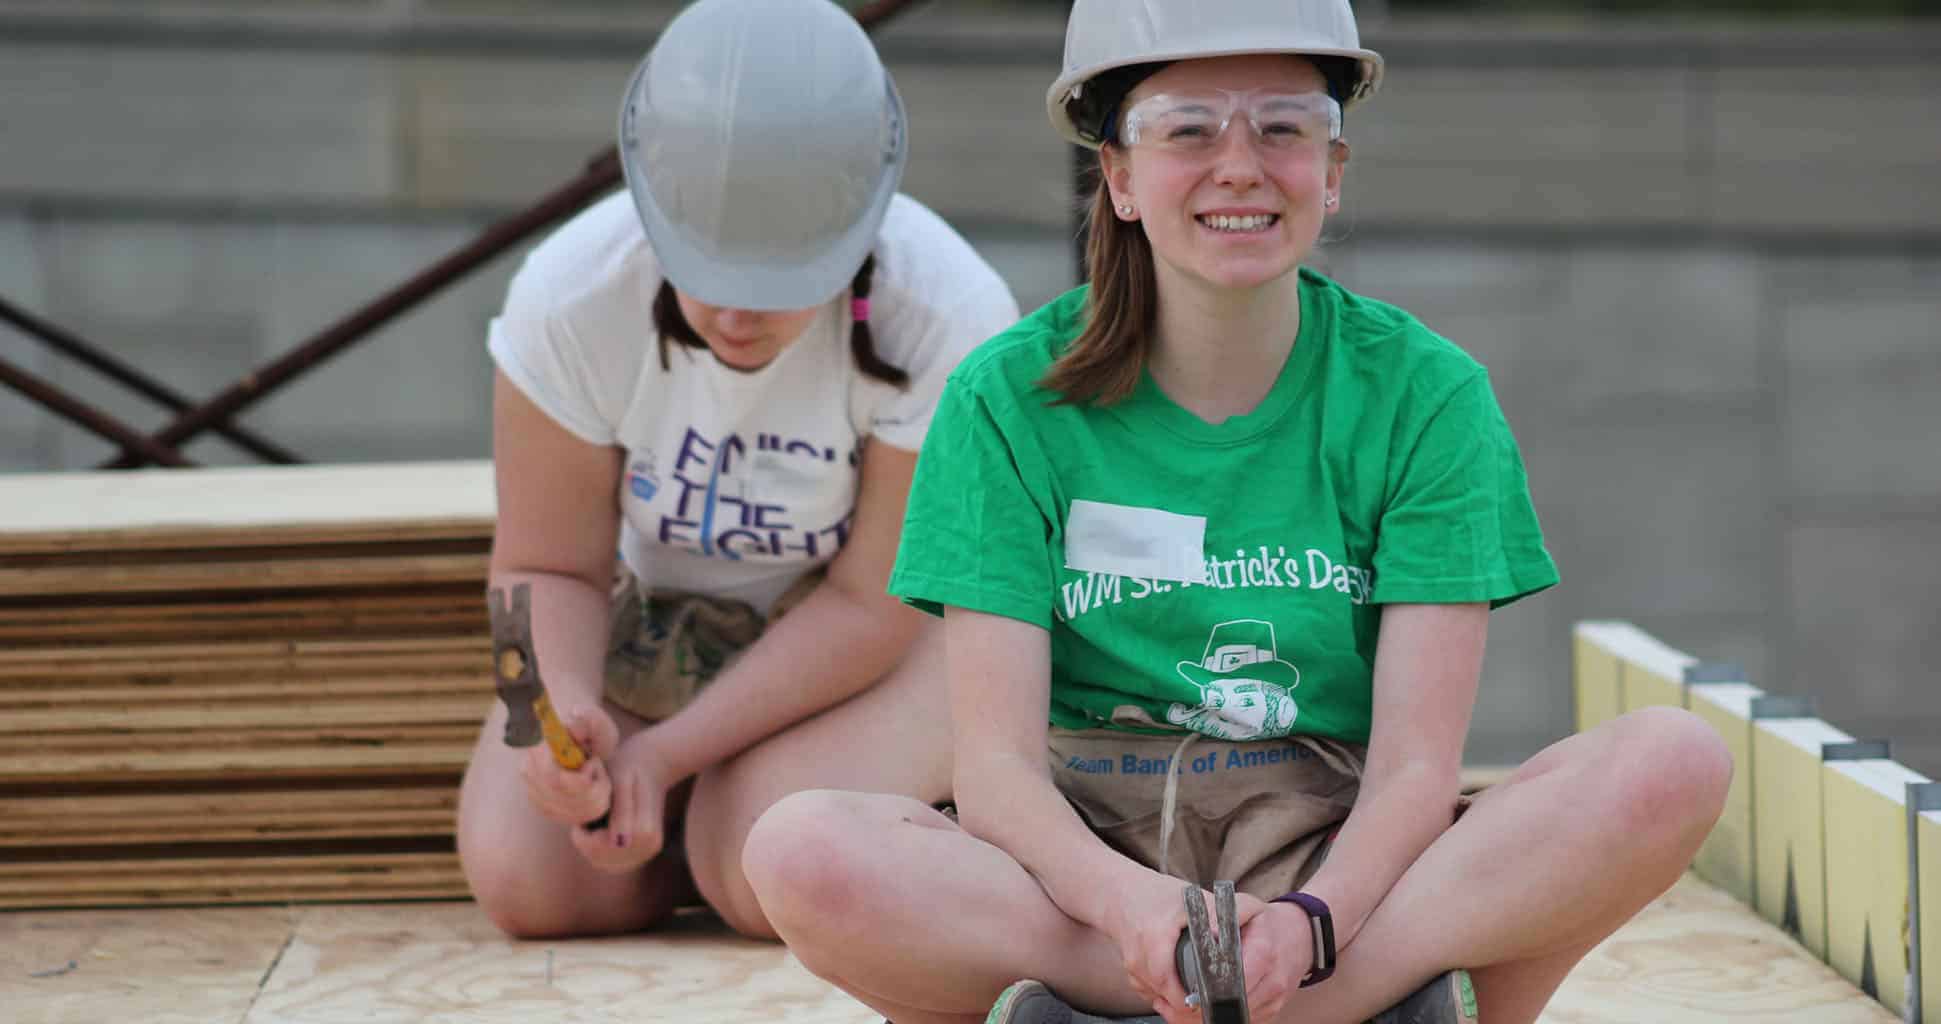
[72, 345]
[74, 410]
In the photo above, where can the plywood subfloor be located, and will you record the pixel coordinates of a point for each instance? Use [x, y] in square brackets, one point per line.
[1693, 956]
[1697, 956]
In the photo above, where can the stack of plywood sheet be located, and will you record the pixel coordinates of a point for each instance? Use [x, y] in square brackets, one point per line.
[239, 685]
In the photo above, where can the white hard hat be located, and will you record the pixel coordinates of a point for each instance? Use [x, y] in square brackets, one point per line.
[762, 141]
[1102, 35]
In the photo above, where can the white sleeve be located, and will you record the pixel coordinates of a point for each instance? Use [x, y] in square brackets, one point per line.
[942, 338]
[537, 350]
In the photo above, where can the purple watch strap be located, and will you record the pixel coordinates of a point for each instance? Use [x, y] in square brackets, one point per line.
[1322, 922]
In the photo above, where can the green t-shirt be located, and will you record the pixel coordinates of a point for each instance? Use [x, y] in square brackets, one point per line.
[1222, 578]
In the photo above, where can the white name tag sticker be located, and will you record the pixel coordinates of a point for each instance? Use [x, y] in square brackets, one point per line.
[1124, 540]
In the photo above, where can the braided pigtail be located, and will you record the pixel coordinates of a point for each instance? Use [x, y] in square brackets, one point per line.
[861, 344]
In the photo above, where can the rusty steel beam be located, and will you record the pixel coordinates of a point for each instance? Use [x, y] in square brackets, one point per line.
[70, 344]
[73, 409]
[602, 173]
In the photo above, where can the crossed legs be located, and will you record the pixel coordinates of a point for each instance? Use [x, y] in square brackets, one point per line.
[894, 903]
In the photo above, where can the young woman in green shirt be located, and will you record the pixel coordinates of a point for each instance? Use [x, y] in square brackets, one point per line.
[1216, 542]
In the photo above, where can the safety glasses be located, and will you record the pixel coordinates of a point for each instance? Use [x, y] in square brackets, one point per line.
[1191, 123]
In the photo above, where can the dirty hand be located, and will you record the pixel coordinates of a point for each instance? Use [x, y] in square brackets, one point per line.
[635, 828]
[580, 795]
[1146, 923]
[1276, 952]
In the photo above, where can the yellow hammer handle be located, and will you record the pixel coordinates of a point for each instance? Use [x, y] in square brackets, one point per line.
[566, 753]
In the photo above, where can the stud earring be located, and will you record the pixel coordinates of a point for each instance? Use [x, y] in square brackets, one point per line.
[1333, 201]
[1125, 209]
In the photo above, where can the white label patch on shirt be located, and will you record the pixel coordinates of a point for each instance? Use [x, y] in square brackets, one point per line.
[1124, 540]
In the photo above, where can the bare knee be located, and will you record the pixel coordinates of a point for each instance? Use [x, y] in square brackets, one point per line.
[1671, 771]
[532, 884]
[807, 862]
[797, 858]
[498, 861]
[502, 884]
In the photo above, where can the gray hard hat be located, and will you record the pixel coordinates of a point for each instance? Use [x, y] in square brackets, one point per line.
[762, 141]
[1103, 35]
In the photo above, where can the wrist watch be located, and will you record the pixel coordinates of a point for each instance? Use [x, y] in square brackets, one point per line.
[1322, 922]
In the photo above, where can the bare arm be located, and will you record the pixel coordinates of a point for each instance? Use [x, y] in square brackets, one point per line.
[558, 522]
[847, 634]
[1428, 661]
[1000, 694]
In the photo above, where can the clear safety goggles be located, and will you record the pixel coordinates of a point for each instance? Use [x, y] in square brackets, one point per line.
[1195, 122]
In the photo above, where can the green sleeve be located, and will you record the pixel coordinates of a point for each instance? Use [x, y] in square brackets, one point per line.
[1459, 525]
[973, 536]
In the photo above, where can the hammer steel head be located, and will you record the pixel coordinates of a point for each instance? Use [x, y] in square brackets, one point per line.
[515, 671]
[1209, 957]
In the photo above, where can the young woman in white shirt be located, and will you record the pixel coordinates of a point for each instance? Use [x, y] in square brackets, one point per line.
[722, 374]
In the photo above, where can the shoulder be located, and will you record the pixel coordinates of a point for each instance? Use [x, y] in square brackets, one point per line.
[599, 255]
[1388, 346]
[928, 276]
[1015, 359]
[919, 253]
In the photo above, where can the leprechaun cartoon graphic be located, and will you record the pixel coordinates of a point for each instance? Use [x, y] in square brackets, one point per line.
[1245, 687]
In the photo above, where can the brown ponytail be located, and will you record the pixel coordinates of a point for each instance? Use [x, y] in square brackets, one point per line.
[670, 325]
[1104, 363]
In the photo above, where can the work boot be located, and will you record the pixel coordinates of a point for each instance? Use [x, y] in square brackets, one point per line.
[1449, 998]
[1030, 1002]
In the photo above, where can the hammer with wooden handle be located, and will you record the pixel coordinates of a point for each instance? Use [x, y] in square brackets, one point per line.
[529, 715]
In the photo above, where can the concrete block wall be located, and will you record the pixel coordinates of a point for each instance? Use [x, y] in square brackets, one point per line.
[1702, 263]
[1735, 446]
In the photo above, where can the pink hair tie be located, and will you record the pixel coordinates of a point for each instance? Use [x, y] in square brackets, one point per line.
[859, 309]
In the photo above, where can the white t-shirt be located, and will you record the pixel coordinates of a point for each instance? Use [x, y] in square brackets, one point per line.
[737, 483]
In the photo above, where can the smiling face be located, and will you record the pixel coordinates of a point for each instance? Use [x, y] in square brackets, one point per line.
[744, 339]
[1234, 209]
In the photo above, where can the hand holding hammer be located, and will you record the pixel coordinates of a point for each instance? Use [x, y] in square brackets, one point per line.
[530, 717]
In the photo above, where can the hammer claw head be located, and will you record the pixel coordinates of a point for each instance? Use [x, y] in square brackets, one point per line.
[1209, 956]
[515, 670]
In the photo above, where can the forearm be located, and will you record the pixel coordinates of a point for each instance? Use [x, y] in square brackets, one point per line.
[825, 650]
[569, 631]
[1394, 820]
[1014, 806]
